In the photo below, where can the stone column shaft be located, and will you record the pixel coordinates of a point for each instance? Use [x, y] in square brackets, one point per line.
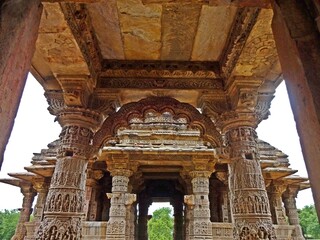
[28, 196]
[178, 218]
[275, 191]
[144, 203]
[19, 24]
[121, 200]
[42, 188]
[199, 224]
[297, 41]
[251, 210]
[289, 200]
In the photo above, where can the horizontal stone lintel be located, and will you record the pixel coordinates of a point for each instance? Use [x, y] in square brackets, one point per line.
[160, 83]
[193, 66]
[71, 1]
[237, 3]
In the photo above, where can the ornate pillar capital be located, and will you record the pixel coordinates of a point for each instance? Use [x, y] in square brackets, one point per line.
[291, 191]
[121, 172]
[277, 187]
[27, 189]
[41, 185]
[200, 174]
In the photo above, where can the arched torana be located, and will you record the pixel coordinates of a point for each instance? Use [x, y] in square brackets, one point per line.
[139, 109]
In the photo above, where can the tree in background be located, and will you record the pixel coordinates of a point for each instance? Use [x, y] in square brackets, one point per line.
[8, 223]
[309, 222]
[160, 226]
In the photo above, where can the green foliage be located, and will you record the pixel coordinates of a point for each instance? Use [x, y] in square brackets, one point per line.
[160, 226]
[309, 222]
[8, 223]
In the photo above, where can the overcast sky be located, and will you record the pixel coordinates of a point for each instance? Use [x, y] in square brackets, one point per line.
[34, 128]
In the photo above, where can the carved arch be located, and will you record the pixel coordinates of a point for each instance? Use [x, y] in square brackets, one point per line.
[194, 118]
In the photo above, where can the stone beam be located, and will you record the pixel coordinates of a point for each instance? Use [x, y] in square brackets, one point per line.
[71, 1]
[19, 23]
[297, 41]
[160, 69]
[244, 21]
[78, 19]
[169, 83]
[237, 3]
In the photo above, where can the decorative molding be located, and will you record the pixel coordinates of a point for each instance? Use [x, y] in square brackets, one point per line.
[78, 19]
[236, 3]
[172, 83]
[160, 69]
[244, 21]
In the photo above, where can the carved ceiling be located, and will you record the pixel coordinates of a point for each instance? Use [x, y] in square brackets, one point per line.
[140, 48]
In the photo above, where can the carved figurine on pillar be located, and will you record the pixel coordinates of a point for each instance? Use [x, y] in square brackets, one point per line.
[249, 199]
[120, 201]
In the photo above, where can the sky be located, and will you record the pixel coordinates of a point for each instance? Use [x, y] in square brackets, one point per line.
[34, 128]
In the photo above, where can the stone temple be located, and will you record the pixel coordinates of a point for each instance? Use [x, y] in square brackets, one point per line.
[158, 101]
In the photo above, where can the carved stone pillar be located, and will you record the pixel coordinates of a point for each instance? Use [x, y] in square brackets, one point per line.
[65, 202]
[198, 210]
[131, 218]
[275, 191]
[188, 216]
[214, 197]
[19, 25]
[42, 187]
[177, 204]
[289, 199]
[92, 194]
[224, 196]
[249, 199]
[121, 200]
[144, 203]
[28, 196]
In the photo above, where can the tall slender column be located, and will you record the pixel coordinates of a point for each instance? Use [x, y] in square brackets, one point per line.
[214, 196]
[120, 201]
[64, 206]
[199, 225]
[92, 194]
[177, 204]
[297, 40]
[289, 199]
[19, 24]
[28, 196]
[275, 191]
[144, 203]
[250, 205]
[224, 196]
[41, 185]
